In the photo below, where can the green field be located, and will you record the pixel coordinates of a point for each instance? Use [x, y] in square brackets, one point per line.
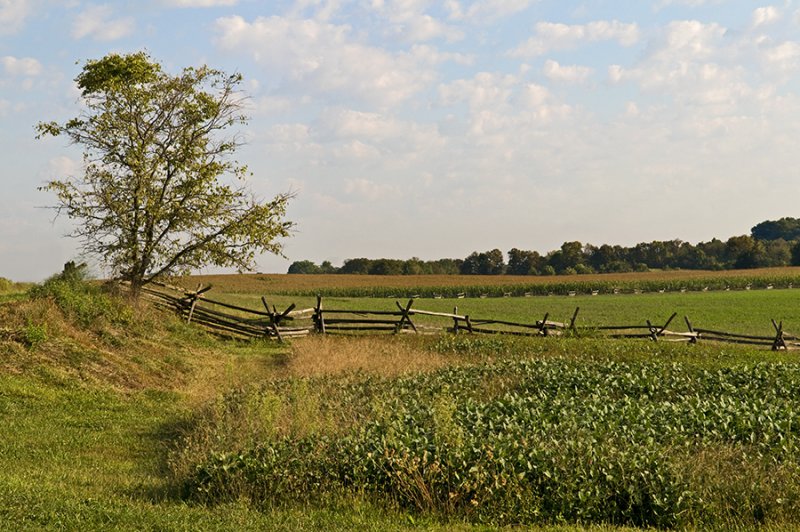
[745, 311]
[120, 418]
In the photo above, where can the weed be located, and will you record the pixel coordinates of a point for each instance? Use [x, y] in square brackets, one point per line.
[34, 334]
[588, 441]
[83, 302]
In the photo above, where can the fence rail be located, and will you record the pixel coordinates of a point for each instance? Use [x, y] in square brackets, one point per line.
[195, 307]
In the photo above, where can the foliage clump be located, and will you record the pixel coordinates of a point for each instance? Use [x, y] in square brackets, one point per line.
[85, 303]
[648, 444]
[159, 192]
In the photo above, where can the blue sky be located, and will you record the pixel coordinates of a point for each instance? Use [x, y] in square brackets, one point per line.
[437, 128]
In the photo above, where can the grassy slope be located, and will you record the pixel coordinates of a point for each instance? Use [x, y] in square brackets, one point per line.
[86, 459]
[83, 446]
[88, 415]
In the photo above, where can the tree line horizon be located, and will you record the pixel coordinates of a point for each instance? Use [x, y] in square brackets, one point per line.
[769, 244]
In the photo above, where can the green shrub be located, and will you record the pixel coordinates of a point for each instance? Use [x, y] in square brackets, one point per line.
[34, 334]
[543, 441]
[84, 302]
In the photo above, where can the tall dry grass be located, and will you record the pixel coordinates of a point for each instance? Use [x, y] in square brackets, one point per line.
[386, 356]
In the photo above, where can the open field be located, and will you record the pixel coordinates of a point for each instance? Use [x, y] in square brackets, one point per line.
[744, 311]
[660, 441]
[94, 398]
[10, 291]
[126, 418]
[475, 285]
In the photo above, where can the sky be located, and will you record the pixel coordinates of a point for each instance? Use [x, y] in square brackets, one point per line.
[438, 128]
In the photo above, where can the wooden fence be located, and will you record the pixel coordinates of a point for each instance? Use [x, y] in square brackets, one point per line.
[270, 322]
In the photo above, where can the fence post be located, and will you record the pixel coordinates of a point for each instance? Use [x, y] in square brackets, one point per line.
[319, 321]
[572, 321]
[780, 341]
[455, 320]
[543, 327]
[653, 331]
[193, 298]
[272, 320]
[693, 339]
[405, 317]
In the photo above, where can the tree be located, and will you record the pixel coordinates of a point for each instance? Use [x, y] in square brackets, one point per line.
[386, 267]
[160, 193]
[488, 263]
[413, 266]
[745, 252]
[785, 228]
[522, 262]
[327, 267]
[569, 256]
[359, 266]
[608, 258]
[777, 252]
[303, 267]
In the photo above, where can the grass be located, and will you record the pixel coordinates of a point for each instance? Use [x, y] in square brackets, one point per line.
[93, 407]
[98, 402]
[11, 291]
[528, 437]
[88, 424]
[76, 458]
[326, 356]
[743, 311]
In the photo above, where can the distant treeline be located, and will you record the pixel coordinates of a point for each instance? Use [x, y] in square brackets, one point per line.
[770, 243]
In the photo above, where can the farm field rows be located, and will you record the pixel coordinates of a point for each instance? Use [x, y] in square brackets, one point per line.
[531, 438]
[744, 311]
[405, 285]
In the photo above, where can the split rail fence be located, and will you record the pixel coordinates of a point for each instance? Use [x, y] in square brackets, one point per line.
[235, 321]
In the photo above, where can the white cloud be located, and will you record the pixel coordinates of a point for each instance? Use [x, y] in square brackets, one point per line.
[785, 56]
[12, 15]
[200, 3]
[369, 190]
[324, 59]
[62, 167]
[97, 22]
[702, 84]
[487, 10]
[690, 3]
[701, 69]
[272, 104]
[428, 55]
[568, 74]
[483, 91]
[25, 66]
[689, 40]
[503, 109]
[556, 36]
[290, 139]
[321, 10]
[348, 124]
[409, 21]
[765, 15]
